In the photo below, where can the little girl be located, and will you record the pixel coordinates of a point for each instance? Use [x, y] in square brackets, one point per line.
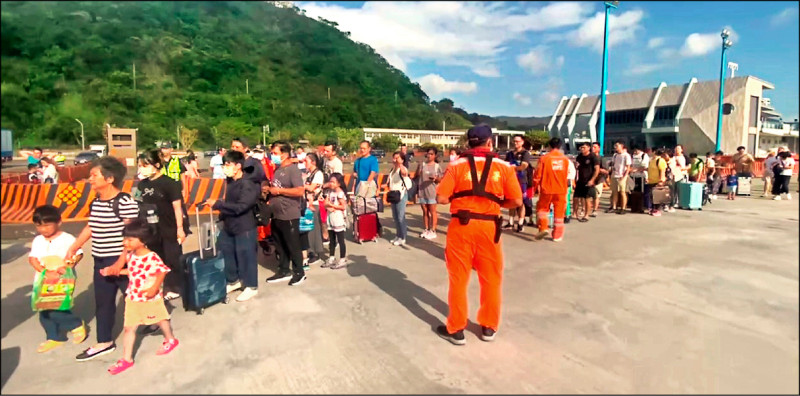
[337, 223]
[144, 300]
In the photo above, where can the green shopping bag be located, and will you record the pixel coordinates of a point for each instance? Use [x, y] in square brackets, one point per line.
[53, 291]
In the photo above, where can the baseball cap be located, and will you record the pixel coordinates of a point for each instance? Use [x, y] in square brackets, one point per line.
[166, 145]
[259, 148]
[479, 132]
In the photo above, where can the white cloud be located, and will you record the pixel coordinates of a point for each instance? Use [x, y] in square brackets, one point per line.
[655, 42]
[785, 16]
[622, 28]
[470, 34]
[435, 85]
[644, 68]
[699, 44]
[522, 99]
[539, 60]
[550, 94]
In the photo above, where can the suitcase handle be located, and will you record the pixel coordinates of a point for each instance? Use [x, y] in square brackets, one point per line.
[213, 231]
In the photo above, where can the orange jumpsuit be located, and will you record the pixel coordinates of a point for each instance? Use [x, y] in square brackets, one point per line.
[473, 245]
[550, 178]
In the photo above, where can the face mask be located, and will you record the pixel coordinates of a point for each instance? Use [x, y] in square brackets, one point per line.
[276, 159]
[146, 171]
[258, 156]
[229, 171]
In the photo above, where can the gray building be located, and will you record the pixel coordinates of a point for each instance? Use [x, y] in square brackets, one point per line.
[679, 114]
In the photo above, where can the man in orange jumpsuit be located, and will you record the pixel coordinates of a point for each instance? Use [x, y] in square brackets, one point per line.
[476, 186]
[550, 179]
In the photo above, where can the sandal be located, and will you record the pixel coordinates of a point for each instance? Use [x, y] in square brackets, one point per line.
[120, 366]
[79, 333]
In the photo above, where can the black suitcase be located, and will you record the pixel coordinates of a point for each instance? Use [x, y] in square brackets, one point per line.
[204, 271]
[636, 196]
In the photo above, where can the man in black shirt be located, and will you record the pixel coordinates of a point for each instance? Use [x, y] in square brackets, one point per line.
[252, 167]
[601, 178]
[588, 170]
[521, 159]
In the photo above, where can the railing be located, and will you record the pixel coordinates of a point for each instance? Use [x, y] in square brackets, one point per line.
[772, 125]
[661, 124]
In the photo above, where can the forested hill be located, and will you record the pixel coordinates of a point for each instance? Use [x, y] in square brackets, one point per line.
[221, 68]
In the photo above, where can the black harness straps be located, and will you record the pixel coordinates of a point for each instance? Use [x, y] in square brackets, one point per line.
[479, 190]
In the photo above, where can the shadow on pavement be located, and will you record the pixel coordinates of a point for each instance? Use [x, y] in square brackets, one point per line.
[10, 358]
[396, 284]
[13, 252]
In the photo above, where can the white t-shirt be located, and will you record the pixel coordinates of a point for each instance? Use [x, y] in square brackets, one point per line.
[216, 166]
[620, 162]
[333, 166]
[301, 157]
[788, 165]
[396, 183]
[710, 163]
[58, 246]
[51, 172]
[571, 172]
[337, 222]
[317, 179]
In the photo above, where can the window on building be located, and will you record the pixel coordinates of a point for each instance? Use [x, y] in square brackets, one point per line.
[754, 111]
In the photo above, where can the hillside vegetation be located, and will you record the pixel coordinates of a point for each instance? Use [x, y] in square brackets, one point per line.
[222, 69]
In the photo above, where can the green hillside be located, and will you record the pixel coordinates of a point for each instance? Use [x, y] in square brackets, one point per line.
[221, 68]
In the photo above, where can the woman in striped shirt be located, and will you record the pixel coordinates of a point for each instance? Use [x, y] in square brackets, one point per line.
[110, 211]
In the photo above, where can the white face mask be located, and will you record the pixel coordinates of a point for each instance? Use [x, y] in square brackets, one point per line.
[258, 156]
[229, 171]
[146, 171]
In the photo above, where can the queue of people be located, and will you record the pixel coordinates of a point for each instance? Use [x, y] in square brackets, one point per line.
[137, 239]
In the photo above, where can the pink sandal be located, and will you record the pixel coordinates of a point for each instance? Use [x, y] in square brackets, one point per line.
[120, 366]
[167, 346]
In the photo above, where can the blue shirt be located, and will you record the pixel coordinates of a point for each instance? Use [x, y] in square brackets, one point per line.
[363, 166]
[33, 160]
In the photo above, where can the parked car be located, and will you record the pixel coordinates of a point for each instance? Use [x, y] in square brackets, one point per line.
[378, 153]
[86, 156]
[209, 153]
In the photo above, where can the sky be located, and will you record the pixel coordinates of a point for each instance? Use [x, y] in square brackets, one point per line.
[520, 58]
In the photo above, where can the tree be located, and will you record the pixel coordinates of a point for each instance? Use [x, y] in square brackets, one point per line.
[538, 138]
[348, 139]
[188, 137]
[388, 143]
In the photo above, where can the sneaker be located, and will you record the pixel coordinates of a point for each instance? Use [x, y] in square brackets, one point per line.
[306, 267]
[424, 234]
[91, 353]
[609, 210]
[394, 241]
[507, 226]
[316, 261]
[456, 338]
[120, 366]
[330, 263]
[487, 334]
[776, 198]
[171, 296]
[49, 345]
[788, 197]
[326, 243]
[340, 264]
[656, 213]
[558, 234]
[594, 214]
[713, 196]
[248, 293]
[232, 287]
[399, 242]
[297, 280]
[540, 235]
[672, 209]
[279, 277]
[432, 235]
[168, 345]
[79, 333]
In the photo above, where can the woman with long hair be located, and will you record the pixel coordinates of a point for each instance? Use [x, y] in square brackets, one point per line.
[399, 181]
[429, 175]
[191, 165]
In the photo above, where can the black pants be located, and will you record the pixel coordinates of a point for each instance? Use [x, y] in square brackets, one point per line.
[287, 243]
[170, 251]
[335, 237]
[781, 185]
[105, 297]
[56, 324]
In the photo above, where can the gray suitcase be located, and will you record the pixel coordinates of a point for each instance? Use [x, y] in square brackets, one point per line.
[744, 186]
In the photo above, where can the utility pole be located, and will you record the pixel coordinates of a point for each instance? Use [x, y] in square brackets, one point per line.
[443, 124]
[83, 145]
[134, 77]
[179, 137]
[247, 86]
[329, 93]
[395, 97]
[264, 135]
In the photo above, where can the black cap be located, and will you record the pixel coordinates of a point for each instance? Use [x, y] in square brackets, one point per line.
[260, 148]
[479, 133]
[166, 145]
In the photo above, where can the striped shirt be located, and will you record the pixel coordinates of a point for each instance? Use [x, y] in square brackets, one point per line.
[107, 227]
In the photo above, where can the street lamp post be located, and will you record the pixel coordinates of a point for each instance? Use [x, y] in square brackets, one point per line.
[602, 130]
[725, 45]
[83, 145]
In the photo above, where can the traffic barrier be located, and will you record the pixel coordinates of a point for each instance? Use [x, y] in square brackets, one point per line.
[18, 200]
[66, 174]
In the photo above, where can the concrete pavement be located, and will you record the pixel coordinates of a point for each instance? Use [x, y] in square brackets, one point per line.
[692, 302]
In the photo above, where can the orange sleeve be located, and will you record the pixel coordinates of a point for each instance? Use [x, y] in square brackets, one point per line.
[511, 187]
[448, 184]
[537, 173]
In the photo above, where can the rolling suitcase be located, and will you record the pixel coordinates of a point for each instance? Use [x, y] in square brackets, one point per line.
[204, 270]
[662, 196]
[636, 197]
[690, 195]
[366, 227]
[744, 186]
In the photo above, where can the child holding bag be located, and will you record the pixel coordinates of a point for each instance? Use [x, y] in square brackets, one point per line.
[336, 203]
[47, 258]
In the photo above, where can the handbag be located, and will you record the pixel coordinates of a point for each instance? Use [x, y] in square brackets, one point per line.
[53, 291]
[395, 196]
[307, 221]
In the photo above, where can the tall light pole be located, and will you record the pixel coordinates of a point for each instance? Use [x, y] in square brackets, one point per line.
[725, 45]
[602, 130]
[83, 145]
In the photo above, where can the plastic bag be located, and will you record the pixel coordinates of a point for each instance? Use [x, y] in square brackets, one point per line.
[53, 291]
[307, 221]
